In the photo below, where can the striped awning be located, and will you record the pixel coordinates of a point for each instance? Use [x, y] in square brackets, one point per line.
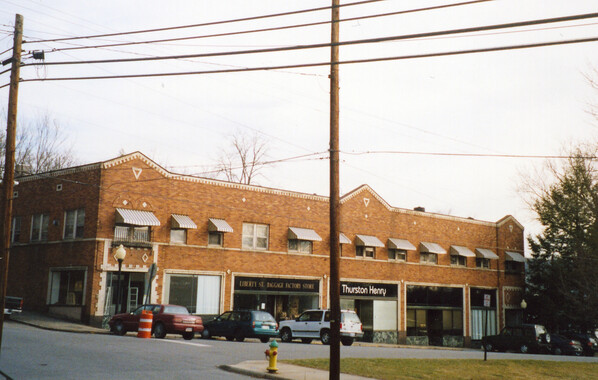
[461, 251]
[368, 241]
[400, 244]
[136, 217]
[486, 253]
[218, 225]
[296, 233]
[343, 239]
[514, 256]
[183, 221]
[431, 248]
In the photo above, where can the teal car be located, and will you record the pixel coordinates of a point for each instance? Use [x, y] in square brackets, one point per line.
[240, 324]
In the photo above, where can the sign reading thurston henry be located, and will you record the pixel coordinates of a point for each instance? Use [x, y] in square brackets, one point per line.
[277, 284]
[364, 289]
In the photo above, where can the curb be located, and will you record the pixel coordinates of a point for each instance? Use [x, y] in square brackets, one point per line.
[60, 329]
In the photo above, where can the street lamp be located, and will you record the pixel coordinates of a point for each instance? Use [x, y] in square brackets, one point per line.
[523, 307]
[120, 256]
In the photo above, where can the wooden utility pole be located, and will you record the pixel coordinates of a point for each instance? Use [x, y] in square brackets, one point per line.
[9, 164]
[335, 287]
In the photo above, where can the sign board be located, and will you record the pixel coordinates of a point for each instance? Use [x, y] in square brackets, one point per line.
[486, 300]
[363, 289]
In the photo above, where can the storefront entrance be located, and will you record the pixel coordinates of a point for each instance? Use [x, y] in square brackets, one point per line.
[131, 288]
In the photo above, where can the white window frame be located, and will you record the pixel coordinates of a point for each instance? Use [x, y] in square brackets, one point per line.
[458, 261]
[220, 238]
[426, 258]
[14, 229]
[78, 213]
[483, 263]
[365, 252]
[176, 239]
[254, 236]
[300, 246]
[43, 221]
[394, 253]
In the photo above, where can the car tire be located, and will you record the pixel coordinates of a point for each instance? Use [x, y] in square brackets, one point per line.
[306, 340]
[159, 330]
[347, 341]
[325, 336]
[264, 339]
[188, 335]
[239, 336]
[230, 338]
[557, 351]
[119, 328]
[524, 348]
[286, 335]
[205, 334]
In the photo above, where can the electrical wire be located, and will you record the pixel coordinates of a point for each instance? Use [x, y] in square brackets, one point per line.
[466, 154]
[269, 29]
[304, 65]
[343, 43]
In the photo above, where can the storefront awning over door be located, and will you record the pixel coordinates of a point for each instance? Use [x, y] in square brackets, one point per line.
[218, 225]
[400, 244]
[514, 256]
[368, 241]
[297, 233]
[431, 248]
[343, 239]
[461, 251]
[486, 253]
[136, 217]
[183, 221]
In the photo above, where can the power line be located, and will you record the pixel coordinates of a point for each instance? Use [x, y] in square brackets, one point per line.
[80, 47]
[325, 45]
[466, 154]
[205, 24]
[304, 65]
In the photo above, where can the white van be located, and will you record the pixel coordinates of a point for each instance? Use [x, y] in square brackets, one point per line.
[315, 324]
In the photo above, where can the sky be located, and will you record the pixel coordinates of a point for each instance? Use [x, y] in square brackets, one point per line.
[514, 102]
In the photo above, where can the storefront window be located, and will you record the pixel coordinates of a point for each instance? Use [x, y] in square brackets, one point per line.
[66, 287]
[199, 294]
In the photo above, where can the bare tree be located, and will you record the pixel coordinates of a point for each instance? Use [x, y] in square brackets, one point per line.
[41, 146]
[242, 161]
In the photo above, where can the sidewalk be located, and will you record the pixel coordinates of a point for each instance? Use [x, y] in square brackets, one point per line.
[254, 368]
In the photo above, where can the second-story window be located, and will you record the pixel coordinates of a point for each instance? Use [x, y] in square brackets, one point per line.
[397, 254]
[428, 258]
[303, 246]
[363, 251]
[134, 226]
[481, 262]
[74, 223]
[39, 227]
[15, 232]
[178, 235]
[458, 260]
[255, 236]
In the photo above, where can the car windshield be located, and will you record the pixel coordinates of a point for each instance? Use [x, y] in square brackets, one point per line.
[176, 310]
[350, 317]
[263, 316]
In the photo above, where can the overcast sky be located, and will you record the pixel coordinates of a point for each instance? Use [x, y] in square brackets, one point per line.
[515, 102]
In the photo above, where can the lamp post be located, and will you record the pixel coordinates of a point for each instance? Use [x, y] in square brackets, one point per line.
[120, 256]
[523, 307]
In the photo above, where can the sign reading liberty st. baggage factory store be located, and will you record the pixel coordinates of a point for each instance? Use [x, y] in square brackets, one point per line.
[276, 284]
[365, 289]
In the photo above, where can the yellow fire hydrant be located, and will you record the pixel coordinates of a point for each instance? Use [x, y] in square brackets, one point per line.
[271, 354]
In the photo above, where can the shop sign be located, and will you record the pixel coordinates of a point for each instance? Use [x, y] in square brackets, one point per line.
[364, 289]
[277, 284]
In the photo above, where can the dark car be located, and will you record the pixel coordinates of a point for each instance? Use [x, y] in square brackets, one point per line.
[167, 319]
[241, 324]
[560, 345]
[588, 342]
[524, 338]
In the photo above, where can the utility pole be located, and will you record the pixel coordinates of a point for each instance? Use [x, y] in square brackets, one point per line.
[9, 164]
[335, 308]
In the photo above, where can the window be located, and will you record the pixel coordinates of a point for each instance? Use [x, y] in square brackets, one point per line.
[255, 236]
[428, 258]
[363, 251]
[15, 232]
[199, 294]
[74, 221]
[132, 234]
[452, 322]
[417, 324]
[303, 246]
[39, 227]
[397, 254]
[178, 235]
[480, 262]
[512, 266]
[215, 238]
[66, 287]
[459, 260]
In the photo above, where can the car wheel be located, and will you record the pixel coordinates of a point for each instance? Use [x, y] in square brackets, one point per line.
[286, 335]
[306, 340]
[159, 331]
[239, 336]
[524, 349]
[230, 338]
[206, 334]
[188, 335]
[119, 328]
[325, 336]
[489, 347]
[347, 341]
[557, 351]
[264, 339]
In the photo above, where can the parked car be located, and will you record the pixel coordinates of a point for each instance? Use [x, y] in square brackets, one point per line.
[587, 340]
[316, 324]
[12, 305]
[525, 338]
[560, 345]
[167, 319]
[241, 324]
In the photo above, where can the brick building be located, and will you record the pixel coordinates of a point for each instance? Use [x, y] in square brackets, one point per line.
[414, 277]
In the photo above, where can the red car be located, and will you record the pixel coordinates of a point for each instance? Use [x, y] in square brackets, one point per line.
[168, 319]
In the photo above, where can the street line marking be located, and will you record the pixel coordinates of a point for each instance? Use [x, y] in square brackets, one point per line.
[188, 343]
